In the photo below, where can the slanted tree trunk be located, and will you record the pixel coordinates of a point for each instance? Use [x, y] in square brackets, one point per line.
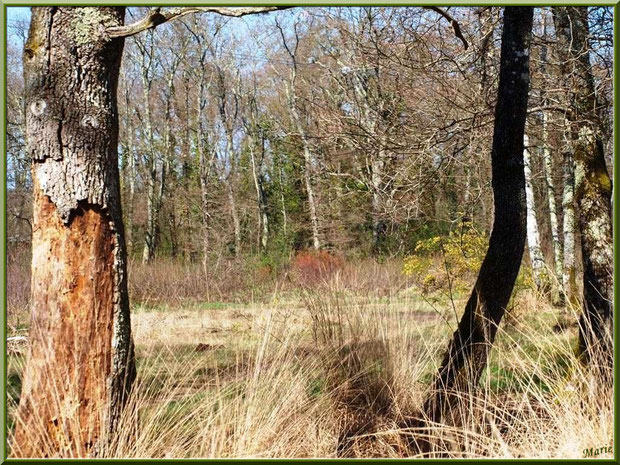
[533, 236]
[228, 103]
[80, 364]
[592, 192]
[468, 351]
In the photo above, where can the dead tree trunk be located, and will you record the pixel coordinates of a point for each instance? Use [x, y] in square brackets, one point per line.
[592, 192]
[80, 365]
[468, 351]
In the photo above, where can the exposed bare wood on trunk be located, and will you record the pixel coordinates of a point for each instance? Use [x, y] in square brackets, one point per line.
[592, 192]
[80, 365]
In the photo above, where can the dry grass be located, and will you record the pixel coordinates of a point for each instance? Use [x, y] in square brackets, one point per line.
[332, 369]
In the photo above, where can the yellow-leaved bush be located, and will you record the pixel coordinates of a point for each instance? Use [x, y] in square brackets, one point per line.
[447, 261]
[452, 262]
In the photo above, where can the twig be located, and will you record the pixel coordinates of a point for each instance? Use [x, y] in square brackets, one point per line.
[453, 23]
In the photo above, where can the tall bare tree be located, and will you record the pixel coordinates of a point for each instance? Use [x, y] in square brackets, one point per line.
[293, 98]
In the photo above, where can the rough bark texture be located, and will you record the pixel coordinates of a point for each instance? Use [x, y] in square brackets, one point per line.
[80, 365]
[468, 351]
[592, 192]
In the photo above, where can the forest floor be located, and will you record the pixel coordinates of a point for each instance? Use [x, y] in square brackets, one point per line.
[327, 371]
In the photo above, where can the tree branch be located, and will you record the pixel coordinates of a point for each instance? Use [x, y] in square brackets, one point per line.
[157, 16]
[453, 23]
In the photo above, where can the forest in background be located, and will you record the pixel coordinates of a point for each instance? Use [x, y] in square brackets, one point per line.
[358, 131]
[264, 161]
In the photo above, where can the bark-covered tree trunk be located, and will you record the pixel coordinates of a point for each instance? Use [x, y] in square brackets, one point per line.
[592, 191]
[558, 259]
[205, 164]
[314, 217]
[537, 259]
[80, 364]
[553, 215]
[153, 199]
[261, 196]
[468, 351]
[569, 281]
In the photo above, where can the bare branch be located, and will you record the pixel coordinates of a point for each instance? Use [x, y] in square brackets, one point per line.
[453, 23]
[157, 16]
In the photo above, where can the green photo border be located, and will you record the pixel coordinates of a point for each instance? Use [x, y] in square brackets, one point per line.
[304, 3]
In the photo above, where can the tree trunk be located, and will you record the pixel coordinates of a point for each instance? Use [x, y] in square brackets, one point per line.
[233, 213]
[204, 171]
[533, 237]
[314, 218]
[261, 197]
[592, 192]
[152, 193]
[377, 175]
[553, 215]
[569, 280]
[468, 351]
[81, 361]
[558, 259]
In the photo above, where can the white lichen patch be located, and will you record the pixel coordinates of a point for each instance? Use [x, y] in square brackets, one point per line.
[89, 24]
[38, 107]
[89, 121]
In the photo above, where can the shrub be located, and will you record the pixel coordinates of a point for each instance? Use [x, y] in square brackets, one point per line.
[441, 260]
[453, 261]
[312, 267]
